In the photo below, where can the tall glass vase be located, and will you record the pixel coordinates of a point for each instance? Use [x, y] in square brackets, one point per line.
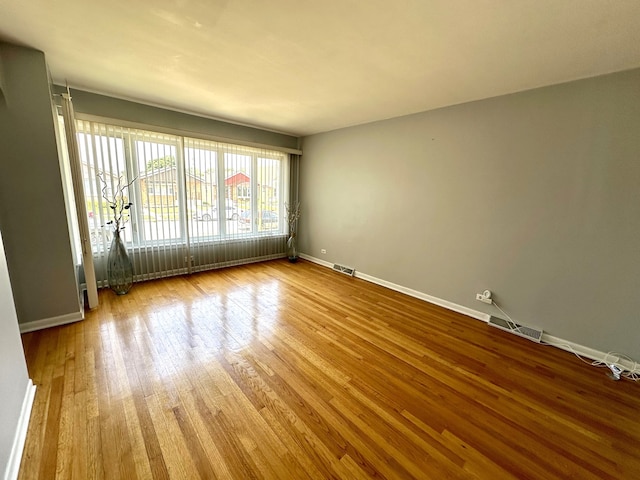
[292, 248]
[119, 266]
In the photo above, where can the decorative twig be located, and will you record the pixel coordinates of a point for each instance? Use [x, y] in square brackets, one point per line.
[117, 204]
[293, 214]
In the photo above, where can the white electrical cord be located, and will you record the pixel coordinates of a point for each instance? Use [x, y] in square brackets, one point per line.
[513, 325]
[631, 374]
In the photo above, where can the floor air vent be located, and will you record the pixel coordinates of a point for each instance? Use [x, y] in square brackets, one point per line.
[520, 330]
[346, 270]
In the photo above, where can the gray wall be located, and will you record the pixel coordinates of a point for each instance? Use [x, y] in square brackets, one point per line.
[14, 379]
[534, 195]
[32, 211]
[94, 104]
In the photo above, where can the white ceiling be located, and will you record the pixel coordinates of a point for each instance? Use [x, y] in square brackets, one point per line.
[307, 66]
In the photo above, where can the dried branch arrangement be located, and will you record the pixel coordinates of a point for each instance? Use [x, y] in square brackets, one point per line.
[118, 202]
[293, 214]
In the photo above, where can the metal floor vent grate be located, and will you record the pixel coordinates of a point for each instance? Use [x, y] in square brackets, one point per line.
[517, 329]
[346, 270]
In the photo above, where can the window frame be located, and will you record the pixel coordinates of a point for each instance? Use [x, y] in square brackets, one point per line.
[130, 137]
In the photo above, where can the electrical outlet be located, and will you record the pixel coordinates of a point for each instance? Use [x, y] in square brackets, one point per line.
[323, 250]
[482, 298]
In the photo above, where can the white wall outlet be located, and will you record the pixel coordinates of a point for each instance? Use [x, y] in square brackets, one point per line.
[484, 297]
[323, 250]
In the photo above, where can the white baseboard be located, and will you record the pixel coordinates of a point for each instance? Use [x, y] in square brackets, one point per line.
[590, 353]
[13, 467]
[561, 343]
[408, 291]
[51, 322]
[324, 263]
[427, 298]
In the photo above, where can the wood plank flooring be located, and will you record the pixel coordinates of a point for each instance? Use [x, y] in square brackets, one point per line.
[293, 371]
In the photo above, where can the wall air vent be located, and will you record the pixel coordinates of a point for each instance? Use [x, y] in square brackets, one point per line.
[520, 330]
[346, 270]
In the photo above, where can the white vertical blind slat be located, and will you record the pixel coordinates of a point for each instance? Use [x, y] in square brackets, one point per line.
[215, 203]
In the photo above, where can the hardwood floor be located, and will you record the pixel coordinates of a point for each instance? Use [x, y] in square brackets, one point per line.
[293, 371]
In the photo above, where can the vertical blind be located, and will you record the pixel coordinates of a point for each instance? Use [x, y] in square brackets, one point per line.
[197, 204]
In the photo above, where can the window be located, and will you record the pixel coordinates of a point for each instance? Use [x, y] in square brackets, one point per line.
[189, 195]
[101, 152]
[210, 164]
[244, 190]
[154, 188]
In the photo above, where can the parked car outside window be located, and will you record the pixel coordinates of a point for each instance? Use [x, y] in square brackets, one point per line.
[209, 214]
[266, 216]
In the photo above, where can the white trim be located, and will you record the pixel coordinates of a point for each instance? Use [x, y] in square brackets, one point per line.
[324, 263]
[408, 291]
[51, 322]
[547, 339]
[13, 466]
[427, 298]
[184, 133]
[589, 353]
